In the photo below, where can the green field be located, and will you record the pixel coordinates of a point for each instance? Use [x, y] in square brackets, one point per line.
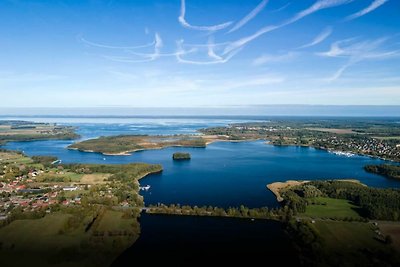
[59, 177]
[331, 208]
[62, 245]
[43, 233]
[347, 235]
[354, 244]
[113, 221]
[392, 229]
[13, 157]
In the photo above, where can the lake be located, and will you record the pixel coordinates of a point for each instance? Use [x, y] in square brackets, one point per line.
[207, 241]
[222, 174]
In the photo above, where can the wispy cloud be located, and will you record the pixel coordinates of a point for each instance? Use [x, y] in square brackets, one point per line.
[185, 24]
[158, 44]
[356, 52]
[90, 43]
[281, 8]
[263, 59]
[319, 38]
[374, 5]
[249, 16]
[210, 52]
[319, 5]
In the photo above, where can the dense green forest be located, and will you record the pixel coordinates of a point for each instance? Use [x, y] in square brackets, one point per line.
[374, 203]
[387, 170]
[123, 144]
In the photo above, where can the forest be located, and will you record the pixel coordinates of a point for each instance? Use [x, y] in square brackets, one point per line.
[387, 170]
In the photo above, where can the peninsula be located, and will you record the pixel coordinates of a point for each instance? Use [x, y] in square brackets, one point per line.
[125, 144]
[31, 131]
[386, 170]
[341, 221]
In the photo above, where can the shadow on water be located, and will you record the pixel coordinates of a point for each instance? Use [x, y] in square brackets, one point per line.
[188, 241]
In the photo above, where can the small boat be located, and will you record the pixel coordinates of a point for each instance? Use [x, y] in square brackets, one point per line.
[58, 161]
[147, 187]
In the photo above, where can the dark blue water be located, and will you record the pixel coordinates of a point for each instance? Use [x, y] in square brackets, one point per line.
[206, 241]
[223, 174]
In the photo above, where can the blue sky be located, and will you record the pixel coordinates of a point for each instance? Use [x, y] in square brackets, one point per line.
[173, 53]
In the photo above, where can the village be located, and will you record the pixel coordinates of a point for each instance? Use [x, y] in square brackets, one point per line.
[383, 143]
[33, 187]
[366, 146]
[18, 192]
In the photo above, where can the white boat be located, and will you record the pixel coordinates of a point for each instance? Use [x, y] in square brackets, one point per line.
[341, 153]
[146, 188]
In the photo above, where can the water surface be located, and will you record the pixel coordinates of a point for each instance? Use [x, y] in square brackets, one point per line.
[223, 174]
[206, 241]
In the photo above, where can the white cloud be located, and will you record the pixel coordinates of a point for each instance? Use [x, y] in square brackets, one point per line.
[319, 38]
[210, 52]
[357, 52]
[319, 5]
[83, 40]
[281, 8]
[147, 57]
[185, 24]
[374, 5]
[249, 16]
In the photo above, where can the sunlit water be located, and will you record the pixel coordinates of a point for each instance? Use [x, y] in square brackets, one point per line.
[222, 174]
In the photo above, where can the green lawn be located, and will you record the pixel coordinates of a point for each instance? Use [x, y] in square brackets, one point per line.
[75, 177]
[333, 208]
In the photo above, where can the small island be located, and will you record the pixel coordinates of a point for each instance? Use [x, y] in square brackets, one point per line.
[181, 156]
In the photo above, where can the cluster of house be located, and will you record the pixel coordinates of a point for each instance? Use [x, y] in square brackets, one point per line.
[17, 194]
[369, 146]
[256, 128]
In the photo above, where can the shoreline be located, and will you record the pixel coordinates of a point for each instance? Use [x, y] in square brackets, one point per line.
[129, 152]
[208, 141]
[332, 151]
[149, 173]
[276, 187]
